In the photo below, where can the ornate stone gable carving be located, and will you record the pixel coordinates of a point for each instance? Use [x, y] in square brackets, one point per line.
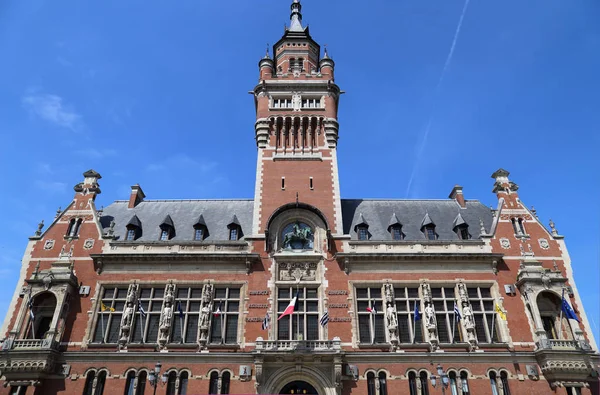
[297, 271]
[205, 313]
[128, 313]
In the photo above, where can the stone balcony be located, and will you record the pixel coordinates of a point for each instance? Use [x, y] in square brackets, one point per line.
[296, 346]
[29, 360]
[564, 345]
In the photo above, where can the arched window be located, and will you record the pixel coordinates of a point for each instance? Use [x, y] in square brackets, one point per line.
[130, 383]
[225, 378]
[464, 382]
[141, 384]
[71, 227]
[453, 385]
[549, 307]
[100, 383]
[183, 383]
[382, 384]
[171, 383]
[493, 382]
[514, 225]
[41, 314]
[89, 383]
[424, 383]
[504, 381]
[521, 227]
[75, 231]
[371, 383]
[214, 383]
[412, 383]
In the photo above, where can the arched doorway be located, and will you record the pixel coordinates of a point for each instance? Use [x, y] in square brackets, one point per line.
[549, 307]
[43, 309]
[299, 387]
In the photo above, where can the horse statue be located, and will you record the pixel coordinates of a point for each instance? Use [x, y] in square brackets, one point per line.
[297, 237]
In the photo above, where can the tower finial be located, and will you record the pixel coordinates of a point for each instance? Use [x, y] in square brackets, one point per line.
[267, 56]
[296, 17]
[326, 55]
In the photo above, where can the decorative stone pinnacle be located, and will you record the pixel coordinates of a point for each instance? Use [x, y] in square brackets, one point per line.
[58, 213]
[296, 17]
[481, 227]
[553, 227]
[38, 232]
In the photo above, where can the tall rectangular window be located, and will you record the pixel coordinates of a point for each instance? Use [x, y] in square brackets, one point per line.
[223, 328]
[363, 233]
[408, 329]
[130, 234]
[145, 329]
[370, 312]
[108, 322]
[185, 329]
[443, 303]
[233, 234]
[304, 321]
[483, 313]
[198, 234]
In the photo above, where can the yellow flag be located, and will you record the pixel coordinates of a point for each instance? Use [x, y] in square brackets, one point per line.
[500, 312]
[104, 308]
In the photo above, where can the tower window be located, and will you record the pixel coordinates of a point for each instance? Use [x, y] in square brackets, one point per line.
[310, 183]
[282, 183]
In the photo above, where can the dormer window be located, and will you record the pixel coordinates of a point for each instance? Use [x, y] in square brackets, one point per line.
[198, 234]
[235, 229]
[429, 231]
[200, 229]
[362, 228]
[396, 232]
[167, 229]
[462, 232]
[134, 229]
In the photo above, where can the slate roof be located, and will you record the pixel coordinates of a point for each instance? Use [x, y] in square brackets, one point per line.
[411, 214]
[183, 214]
[218, 214]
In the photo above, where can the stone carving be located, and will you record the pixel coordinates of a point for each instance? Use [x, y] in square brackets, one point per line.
[462, 292]
[38, 232]
[544, 244]
[425, 291]
[166, 317]
[467, 315]
[505, 243]
[205, 310]
[296, 271]
[88, 244]
[429, 316]
[546, 281]
[553, 227]
[48, 244]
[127, 319]
[300, 238]
[390, 314]
[296, 100]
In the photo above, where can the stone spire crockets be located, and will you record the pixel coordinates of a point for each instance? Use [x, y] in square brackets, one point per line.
[296, 17]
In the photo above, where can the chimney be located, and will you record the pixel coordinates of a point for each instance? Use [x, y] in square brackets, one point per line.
[137, 196]
[457, 195]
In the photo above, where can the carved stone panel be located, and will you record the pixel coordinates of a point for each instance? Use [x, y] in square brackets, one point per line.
[297, 271]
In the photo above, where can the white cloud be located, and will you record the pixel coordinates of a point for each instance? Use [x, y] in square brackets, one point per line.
[52, 109]
[95, 153]
[51, 186]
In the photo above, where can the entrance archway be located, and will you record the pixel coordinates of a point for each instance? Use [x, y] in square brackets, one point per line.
[299, 387]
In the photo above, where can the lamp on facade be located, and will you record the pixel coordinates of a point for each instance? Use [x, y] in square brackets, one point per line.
[154, 375]
[443, 379]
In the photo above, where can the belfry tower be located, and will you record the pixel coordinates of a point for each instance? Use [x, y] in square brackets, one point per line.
[297, 128]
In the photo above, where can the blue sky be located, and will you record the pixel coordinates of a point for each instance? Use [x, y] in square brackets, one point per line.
[156, 93]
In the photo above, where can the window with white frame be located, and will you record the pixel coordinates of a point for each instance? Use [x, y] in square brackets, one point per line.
[304, 321]
[369, 309]
[145, 329]
[224, 324]
[406, 298]
[483, 314]
[110, 311]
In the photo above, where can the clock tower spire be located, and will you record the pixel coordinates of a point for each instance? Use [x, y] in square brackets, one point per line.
[296, 127]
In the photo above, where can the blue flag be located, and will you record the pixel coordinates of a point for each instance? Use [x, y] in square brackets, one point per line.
[457, 312]
[568, 310]
[417, 314]
[179, 309]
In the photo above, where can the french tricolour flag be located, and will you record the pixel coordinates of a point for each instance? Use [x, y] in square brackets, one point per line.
[290, 308]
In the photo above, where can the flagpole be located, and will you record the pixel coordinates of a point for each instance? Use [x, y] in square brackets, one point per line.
[181, 326]
[414, 335]
[561, 313]
[101, 320]
[222, 326]
[298, 315]
[454, 325]
[493, 320]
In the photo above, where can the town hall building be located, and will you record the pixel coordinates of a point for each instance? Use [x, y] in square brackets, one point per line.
[298, 290]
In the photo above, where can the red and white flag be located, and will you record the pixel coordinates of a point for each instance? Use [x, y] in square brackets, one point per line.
[217, 312]
[372, 310]
[290, 308]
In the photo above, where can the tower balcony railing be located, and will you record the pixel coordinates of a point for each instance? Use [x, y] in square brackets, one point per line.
[563, 344]
[30, 344]
[298, 345]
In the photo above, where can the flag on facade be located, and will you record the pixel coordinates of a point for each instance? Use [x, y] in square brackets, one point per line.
[141, 309]
[373, 309]
[500, 312]
[457, 312]
[568, 310]
[266, 323]
[104, 308]
[218, 310]
[324, 319]
[290, 308]
[179, 309]
[417, 314]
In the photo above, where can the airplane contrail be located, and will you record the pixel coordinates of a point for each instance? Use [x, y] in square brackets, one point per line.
[435, 95]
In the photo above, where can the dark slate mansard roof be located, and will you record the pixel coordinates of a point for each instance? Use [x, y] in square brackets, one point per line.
[218, 214]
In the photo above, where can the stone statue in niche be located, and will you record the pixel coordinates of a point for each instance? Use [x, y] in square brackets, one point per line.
[389, 293]
[297, 236]
[429, 315]
[205, 310]
[467, 316]
[392, 322]
[127, 319]
[462, 292]
[166, 317]
[425, 291]
[296, 102]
